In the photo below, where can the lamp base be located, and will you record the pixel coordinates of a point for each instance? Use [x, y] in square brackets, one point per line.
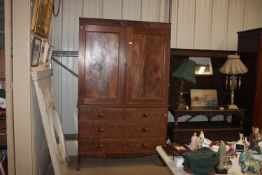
[232, 106]
[181, 104]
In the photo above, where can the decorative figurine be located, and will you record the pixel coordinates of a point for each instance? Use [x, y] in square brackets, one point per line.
[240, 146]
[222, 155]
[260, 146]
[254, 137]
[248, 163]
[235, 169]
[246, 142]
[201, 139]
[256, 133]
[202, 135]
[244, 161]
[194, 142]
[241, 139]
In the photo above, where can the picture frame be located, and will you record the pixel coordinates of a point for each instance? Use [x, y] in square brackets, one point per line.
[36, 50]
[44, 51]
[34, 7]
[49, 54]
[42, 15]
[203, 65]
[203, 97]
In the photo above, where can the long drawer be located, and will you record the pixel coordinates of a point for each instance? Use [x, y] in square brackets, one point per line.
[120, 129]
[123, 114]
[119, 146]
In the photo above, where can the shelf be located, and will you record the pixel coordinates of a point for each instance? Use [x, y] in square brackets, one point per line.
[201, 53]
[209, 113]
[206, 125]
[214, 130]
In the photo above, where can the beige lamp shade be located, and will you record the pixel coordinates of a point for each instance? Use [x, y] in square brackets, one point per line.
[233, 65]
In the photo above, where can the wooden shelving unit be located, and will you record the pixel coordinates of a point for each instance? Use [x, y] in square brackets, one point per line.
[213, 130]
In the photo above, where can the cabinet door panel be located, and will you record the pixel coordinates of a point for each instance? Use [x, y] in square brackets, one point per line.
[148, 66]
[101, 65]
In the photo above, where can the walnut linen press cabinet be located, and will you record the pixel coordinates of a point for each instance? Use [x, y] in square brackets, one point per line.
[123, 87]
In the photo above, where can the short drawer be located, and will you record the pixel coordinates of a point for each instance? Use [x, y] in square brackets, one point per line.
[119, 146]
[98, 129]
[146, 114]
[100, 114]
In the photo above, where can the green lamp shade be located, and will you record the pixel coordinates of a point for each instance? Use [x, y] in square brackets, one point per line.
[186, 71]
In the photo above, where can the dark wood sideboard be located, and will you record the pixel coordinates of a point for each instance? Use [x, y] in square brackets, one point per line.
[123, 87]
[213, 130]
[227, 129]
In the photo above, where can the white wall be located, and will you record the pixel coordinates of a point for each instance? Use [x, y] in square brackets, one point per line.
[212, 24]
[196, 24]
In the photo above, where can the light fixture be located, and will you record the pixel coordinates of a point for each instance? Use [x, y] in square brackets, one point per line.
[185, 73]
[233, 67]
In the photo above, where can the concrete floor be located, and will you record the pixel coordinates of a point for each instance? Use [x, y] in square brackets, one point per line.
[148, 165]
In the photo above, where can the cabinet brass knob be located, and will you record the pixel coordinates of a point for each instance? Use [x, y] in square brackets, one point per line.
[101, 115]
[144, 145]
[101, 145]
[145, 129]
[146, 114]
[101, 129]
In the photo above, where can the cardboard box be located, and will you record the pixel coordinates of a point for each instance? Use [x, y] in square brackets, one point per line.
[2, 63]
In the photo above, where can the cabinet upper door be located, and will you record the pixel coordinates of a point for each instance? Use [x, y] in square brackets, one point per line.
[101, 64]
[148, 51]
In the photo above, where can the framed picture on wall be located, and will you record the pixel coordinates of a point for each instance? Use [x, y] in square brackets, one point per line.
[42, 15]
[36, 50]
[203, 65]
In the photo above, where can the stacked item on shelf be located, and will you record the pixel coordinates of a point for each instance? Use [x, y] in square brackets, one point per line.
[2, 112]
[3, 147]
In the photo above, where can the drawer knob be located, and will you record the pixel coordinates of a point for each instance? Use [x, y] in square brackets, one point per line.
[101, 145]
[144, 145]
[145, 129]
[101, 115]
[146, 114]
[101, 129]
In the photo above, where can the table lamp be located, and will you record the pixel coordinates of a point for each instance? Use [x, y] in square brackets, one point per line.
[185, 73]
[233, 67]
